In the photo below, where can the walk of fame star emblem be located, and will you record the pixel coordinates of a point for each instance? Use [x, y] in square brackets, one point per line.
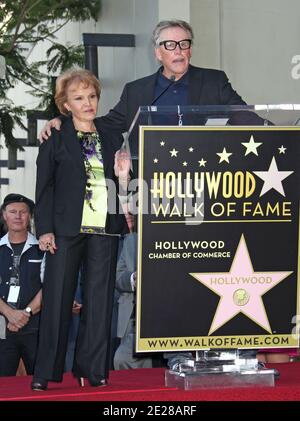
[241, 289]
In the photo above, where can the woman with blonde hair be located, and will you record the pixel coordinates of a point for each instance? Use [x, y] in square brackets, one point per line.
[80, 170]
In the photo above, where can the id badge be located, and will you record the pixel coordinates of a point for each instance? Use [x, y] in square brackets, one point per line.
[13, 294]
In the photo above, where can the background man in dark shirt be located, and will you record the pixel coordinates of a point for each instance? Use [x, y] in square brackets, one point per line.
[20, 286]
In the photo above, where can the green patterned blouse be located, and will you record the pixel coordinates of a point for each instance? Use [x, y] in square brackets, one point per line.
[95, 201]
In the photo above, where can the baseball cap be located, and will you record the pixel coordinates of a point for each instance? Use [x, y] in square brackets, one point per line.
[17, 198]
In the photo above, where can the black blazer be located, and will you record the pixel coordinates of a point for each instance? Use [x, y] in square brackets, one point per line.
[61, 182]
[205, 87]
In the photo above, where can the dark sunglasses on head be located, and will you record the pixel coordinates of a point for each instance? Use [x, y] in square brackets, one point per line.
[184, 44]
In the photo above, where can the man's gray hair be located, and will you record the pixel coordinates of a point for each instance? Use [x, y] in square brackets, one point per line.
[164, 24]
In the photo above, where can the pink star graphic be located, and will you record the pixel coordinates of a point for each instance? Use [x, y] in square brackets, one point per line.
[241, 289]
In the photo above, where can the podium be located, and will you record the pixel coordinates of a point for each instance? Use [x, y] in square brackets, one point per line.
[218, 238]
[210, 115]
[219, 369]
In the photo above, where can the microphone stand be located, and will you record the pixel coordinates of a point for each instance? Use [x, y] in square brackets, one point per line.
[172, 80]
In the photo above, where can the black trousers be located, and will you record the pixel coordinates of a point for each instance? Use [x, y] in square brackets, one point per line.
[98, 254]
[14, 347]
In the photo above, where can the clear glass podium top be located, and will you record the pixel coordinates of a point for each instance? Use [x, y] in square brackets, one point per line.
[210, 115]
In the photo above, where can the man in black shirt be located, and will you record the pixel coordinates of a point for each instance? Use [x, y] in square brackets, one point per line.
[20, 286]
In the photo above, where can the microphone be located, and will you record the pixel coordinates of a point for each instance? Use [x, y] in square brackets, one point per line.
[172, 80]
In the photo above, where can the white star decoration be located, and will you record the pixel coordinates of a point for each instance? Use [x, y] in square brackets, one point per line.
[162, 143]
[272, 178]
[224, 156]
[202, 163]
[184, 164]
[237, 281]
[251, 146]
[282, 149]
[173, 152]
[155, 160]
[191, 149]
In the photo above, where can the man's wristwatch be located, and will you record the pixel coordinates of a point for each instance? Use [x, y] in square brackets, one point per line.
[28, 310]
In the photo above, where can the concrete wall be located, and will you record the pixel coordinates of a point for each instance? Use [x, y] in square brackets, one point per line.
[174, 9]
[254, 42]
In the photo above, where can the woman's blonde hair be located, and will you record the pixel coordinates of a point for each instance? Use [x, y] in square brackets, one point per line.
[67, 78]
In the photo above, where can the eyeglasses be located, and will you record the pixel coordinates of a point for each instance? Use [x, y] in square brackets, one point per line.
[170, 45]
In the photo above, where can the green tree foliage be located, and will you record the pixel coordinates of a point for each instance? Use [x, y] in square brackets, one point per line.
[23, 24]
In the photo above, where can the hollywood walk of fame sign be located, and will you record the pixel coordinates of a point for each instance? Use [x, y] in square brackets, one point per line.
[218, 237]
